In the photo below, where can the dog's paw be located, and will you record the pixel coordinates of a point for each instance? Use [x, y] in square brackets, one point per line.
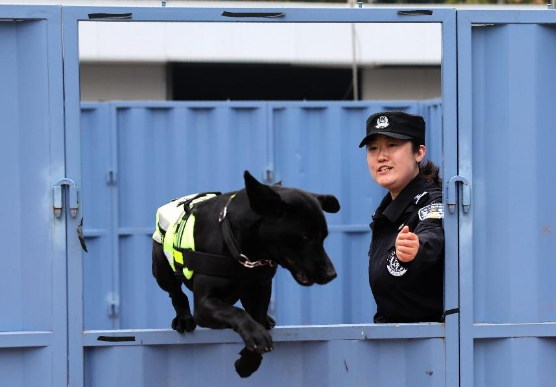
[248, 363]
[256, 338]
[270, 323]
[184, 324]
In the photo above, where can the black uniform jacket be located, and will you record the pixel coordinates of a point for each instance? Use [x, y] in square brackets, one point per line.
[412, 291]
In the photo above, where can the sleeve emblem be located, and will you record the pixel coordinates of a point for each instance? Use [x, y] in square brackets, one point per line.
[393, 264]
[432, 211]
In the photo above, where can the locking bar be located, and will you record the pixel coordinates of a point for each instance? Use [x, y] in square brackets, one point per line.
[464, 193]
[58, 197]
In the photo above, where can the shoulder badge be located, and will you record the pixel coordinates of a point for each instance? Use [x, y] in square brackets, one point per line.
[432, 211]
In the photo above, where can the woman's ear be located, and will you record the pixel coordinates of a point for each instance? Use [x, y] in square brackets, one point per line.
[420, 154]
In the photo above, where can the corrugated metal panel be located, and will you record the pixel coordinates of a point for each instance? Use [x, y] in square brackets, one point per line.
[312, 356]
[99, 282]
[308, 145]
[432, 113]
[32, 262]
[28, 307]
[15, 364]
[513, 173]
[505, 142]
[328, 363]
[514, 362]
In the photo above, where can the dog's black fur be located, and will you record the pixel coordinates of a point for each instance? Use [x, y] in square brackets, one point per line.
[285, 225]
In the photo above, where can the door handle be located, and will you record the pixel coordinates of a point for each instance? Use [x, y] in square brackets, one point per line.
[58, 197]
[464, 193]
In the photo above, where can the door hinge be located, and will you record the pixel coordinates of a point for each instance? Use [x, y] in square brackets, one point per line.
[464, 193]
[58, 197]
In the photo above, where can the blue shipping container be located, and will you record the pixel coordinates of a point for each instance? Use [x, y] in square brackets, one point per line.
[138, 156]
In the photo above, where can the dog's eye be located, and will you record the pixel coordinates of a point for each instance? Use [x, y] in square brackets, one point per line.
[309, 238]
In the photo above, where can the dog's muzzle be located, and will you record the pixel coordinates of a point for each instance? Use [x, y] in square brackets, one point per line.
[328, 276]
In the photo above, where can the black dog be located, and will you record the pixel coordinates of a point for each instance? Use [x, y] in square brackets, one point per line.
[239, 238]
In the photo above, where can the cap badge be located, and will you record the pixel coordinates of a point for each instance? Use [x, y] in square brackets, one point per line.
[382, 122]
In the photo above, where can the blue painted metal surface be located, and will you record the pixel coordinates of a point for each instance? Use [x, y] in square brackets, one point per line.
[424, 357]
[447, 151]
[511, 248]
[326, 363]
[514, 362]
[385, 355]
[100, 266]
[133, 155]
[33, 259]
[506, 301]
[505, 137]
[303, 356]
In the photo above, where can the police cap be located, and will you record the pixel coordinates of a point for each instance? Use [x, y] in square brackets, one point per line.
[395, 124]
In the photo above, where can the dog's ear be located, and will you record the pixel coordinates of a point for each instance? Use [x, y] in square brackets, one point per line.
[262, 198]
[329, 203]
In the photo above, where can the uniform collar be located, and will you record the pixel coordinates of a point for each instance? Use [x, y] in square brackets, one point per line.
[394, 208]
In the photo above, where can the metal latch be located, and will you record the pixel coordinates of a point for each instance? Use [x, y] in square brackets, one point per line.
[464, 193]
[58, 197]
[113, 305]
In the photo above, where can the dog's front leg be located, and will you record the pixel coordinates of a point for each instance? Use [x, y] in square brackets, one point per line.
[214, 298]
[213, 313]
[255, 300]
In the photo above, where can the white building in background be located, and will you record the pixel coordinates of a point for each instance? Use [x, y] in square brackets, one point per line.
[132, 61]
[395, 60]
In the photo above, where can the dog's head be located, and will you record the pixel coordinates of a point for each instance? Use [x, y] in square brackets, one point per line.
[292, 229]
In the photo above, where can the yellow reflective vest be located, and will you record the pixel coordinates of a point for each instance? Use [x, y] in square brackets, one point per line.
[174, 230]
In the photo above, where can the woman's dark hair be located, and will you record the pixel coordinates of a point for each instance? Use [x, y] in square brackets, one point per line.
[427, 168]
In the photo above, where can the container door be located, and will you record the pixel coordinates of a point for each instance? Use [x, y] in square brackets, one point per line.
[33, 322]
[507, 133]
[151, 138]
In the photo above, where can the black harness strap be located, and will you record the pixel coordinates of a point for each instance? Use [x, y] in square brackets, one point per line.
[211, 264]
[229, 239]
[232, 243]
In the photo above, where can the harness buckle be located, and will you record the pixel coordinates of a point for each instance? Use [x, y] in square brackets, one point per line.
[223, 214]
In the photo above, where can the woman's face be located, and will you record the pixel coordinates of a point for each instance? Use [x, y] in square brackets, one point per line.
[392, 162]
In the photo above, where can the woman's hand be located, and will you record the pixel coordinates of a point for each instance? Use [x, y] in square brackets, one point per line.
[407, 245]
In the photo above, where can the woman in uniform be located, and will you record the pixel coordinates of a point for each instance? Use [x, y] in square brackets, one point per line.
[406, 256]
